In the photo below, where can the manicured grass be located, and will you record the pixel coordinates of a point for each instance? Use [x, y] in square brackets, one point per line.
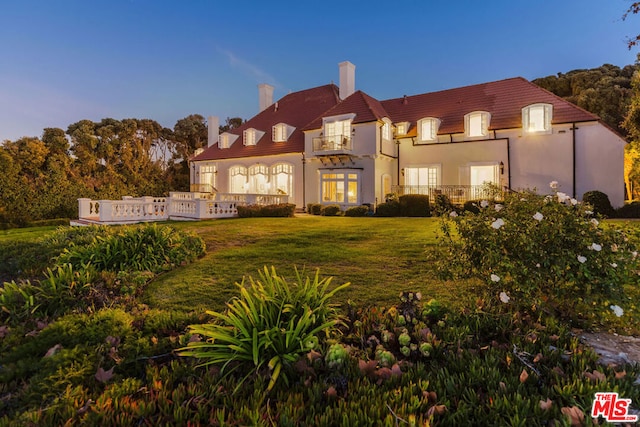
[379, 256]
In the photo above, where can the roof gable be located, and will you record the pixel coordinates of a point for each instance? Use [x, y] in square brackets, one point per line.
[365, 108]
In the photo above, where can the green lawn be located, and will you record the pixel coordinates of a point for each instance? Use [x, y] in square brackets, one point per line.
[380, 257]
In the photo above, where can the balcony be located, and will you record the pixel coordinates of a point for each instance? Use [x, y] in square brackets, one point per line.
[332, 144]
[458, 194]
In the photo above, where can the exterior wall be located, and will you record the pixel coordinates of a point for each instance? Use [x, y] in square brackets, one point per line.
[294, 159]
[600, 159]
[454, 158]
[536, 160]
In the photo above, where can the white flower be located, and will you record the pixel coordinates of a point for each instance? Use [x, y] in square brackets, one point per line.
[495, 278]
[498, 207]
[595, 247]
[588, 212]
[538, 216]
[594, 222]
[574, 201]
[538, 265]
[635, 254]
[453, 214]
[522, 199]
[582, 259]
[419, 295]
[484, 203]
[617, 310]
[497, 223]
[562, 197]
[614, 265]
[504, 297]
[553, 185]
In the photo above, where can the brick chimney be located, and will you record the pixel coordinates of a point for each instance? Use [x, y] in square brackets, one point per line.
[265, 93]
[347, 79]
[213, 123]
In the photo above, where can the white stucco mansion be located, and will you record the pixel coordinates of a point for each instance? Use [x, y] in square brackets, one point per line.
[337, 145]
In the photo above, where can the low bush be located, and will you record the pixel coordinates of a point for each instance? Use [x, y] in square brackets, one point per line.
[142, 248]
[442, 205]
[600, 203]
[331, 210]
[472, 206]
[629, 210]
[314, 208]
[414, 205]
[282, 210]
[357, 211]
[388, 209]
[544, 252]
[268, 327]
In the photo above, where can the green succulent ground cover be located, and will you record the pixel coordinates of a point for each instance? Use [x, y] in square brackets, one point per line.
[407, 347]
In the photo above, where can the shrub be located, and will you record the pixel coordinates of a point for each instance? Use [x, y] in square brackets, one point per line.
[472, 206]
[269, 326]
[600, 203]
[357, 211]
[442, 205]
[544, 251]
[630, 210]
[387, 209]
[141, 248]
[331, 210]
[414, 205]
[282, 210]
[314, 208]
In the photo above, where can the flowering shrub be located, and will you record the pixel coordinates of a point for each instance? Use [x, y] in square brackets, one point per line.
[549, 251]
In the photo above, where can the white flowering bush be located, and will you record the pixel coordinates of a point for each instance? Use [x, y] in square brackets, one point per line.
[542, 252]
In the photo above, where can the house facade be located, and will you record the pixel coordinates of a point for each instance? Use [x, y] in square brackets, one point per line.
[335, 145]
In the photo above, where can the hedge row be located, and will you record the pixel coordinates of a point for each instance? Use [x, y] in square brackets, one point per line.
[282, 210]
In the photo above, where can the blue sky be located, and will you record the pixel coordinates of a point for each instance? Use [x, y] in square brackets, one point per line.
[67, 60]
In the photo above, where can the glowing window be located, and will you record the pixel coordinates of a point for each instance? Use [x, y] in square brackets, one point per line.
[536, 118]
[428, 130]
[477, 124]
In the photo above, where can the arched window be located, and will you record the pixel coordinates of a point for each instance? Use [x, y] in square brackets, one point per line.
[428, 130]
[476, 124]
[536, 118]
[258, 179]
[282, 178]
[238, 180]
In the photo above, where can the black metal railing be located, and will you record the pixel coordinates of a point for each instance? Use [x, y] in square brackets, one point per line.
[458, 194]
[332, 143]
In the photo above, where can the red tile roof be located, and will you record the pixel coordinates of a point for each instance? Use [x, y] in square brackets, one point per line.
[366, 109]
[295, 109]
[504, 99]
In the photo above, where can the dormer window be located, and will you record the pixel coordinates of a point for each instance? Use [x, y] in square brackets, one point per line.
[536, 118]
[281, 132]
[226, 139]
[386, 131]
[249, 137]
[428, 130]
[476, 124]
[402, 128]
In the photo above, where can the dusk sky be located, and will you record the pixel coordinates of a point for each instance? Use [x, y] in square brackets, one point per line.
[66, 60]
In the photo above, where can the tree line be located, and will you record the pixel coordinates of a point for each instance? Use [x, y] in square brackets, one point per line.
[613, 93]
[44, 176]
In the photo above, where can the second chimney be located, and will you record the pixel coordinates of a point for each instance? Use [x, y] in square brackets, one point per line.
[347, 79]
[265, 93]
[213, 124]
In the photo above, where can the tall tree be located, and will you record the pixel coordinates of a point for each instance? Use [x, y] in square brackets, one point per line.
[632, 10]
[632, 150]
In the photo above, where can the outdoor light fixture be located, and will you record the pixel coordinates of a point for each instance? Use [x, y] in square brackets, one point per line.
[501, 168]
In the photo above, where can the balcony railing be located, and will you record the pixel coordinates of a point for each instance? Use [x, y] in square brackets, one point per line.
[458, 194]
[202, 188]
[332, 143]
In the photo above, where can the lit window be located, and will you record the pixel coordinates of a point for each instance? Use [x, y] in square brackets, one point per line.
[207, 179]
[340, 187]
[536, 118]
[238, 180]
[282, 178]
[420, 180]
[259, 179]
[224, 141]
[428, 130]
[386, 131]
[280, 132]
[250, 137]
[402, 128]
[477, 124]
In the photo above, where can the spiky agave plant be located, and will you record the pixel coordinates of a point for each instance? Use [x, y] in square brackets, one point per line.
[270, 325]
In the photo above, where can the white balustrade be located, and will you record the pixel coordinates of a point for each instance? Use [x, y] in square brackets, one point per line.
[179, 205]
